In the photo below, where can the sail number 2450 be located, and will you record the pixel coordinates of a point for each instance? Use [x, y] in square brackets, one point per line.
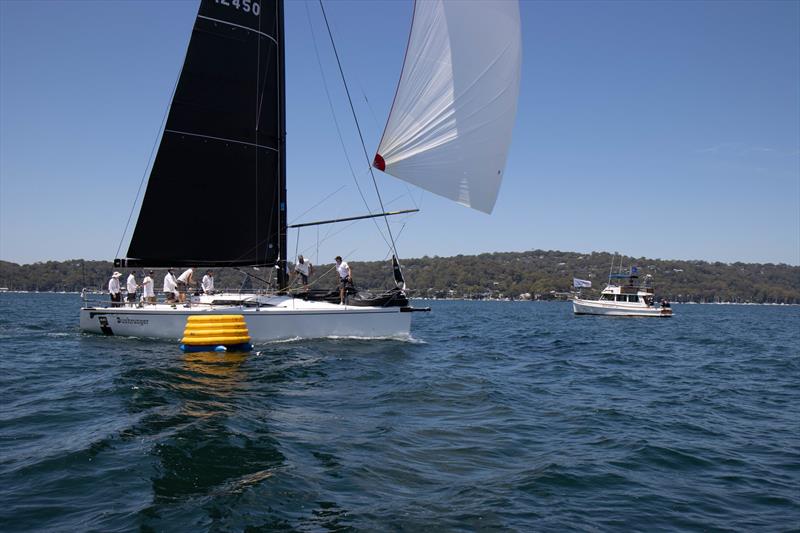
[245, 5]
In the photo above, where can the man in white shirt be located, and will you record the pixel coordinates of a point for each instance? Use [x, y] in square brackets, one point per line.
[345, 277]
[170, 287]
[149, 295]
[304, 269]
[185, 281]
[131, 286]
[208, 282]
[113, 289]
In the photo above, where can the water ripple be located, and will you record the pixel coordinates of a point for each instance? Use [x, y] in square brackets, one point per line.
[493, 416]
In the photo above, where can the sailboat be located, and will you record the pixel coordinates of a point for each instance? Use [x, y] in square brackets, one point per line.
[448, 132]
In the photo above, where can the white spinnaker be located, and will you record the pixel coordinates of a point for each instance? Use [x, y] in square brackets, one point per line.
[453, 114]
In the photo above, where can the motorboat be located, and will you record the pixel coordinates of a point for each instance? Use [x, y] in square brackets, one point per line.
[625, 295]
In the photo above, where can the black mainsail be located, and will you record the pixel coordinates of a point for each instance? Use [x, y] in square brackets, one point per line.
[216, 195]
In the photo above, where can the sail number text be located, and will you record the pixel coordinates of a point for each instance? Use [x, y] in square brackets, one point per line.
[245, 5]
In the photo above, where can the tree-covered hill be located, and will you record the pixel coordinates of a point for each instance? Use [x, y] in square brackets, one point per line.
[541, 273]
[508, 274]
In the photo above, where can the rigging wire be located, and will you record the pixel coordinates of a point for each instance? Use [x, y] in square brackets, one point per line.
[321, 277]
[156, 143]
[336, 122]
[331, 234]
[372, 114]
[301, 215]
[358, 127]
[399, 234]
[374, 118]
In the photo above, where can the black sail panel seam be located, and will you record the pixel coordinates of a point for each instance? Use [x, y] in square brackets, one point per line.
[221, 139]
[270, 37]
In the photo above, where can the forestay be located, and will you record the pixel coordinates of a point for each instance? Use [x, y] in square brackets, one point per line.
[450, 125]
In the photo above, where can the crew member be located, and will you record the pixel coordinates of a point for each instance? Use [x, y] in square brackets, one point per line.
[185, 281]
[114, 290]
[208, 282]
[131, 286]
[170, 287]
[149, 294]
[304, 269]
[345, 278]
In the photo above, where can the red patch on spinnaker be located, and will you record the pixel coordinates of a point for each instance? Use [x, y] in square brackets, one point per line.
[379, 163]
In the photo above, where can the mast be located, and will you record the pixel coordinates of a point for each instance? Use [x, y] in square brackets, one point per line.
[283, 249]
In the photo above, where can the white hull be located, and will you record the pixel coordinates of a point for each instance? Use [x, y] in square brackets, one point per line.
[282, 318]
[609, 308]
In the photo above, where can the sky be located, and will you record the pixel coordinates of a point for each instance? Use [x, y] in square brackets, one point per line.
[665, 130]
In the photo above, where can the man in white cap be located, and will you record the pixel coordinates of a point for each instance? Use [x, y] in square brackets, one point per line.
[113, 289]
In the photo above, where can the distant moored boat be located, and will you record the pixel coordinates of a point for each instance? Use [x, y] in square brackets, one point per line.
[624, 295]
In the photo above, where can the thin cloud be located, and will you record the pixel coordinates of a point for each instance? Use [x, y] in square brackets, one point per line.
[710, 150]
[759, 149]
[739, 149]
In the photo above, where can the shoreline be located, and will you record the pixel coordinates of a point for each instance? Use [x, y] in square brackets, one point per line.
[464, 299]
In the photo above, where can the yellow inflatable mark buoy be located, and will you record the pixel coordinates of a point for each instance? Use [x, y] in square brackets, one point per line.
[215, 332]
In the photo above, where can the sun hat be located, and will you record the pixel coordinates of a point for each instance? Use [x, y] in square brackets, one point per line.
[116, 275]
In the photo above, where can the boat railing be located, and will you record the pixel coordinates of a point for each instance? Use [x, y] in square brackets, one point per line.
[627, 282]
[97, 298]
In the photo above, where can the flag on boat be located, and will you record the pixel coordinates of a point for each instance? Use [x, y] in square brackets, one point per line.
[581, 283]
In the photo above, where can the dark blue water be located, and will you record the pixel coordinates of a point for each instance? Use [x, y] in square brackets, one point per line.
[500, 416]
